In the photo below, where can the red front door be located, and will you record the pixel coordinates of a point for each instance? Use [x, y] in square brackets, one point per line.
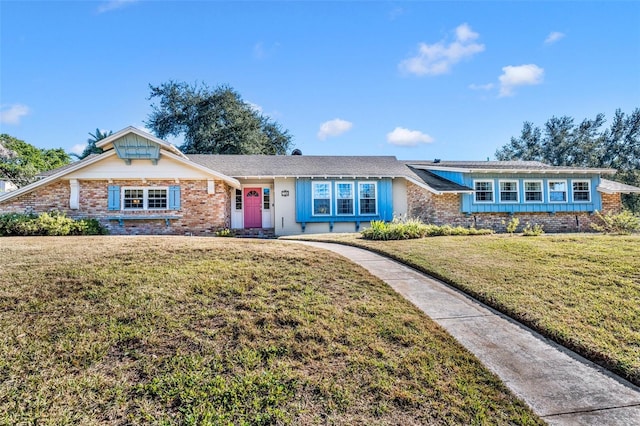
[253, 207]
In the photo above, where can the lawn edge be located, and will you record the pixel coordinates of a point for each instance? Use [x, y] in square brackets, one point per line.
[608, 363]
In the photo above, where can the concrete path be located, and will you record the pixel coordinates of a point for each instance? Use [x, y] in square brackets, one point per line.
[560, 386]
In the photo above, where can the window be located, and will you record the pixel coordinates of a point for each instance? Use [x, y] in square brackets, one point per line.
[367, 198]
[508, 191]
[344, 198]
[266, 199]
[238, 199]
[144, 198]
[484, 191]
[557, 191]
[533, 191]
[321, 198]
[581, 191]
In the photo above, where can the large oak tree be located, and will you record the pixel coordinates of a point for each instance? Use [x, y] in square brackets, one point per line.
[213, 121]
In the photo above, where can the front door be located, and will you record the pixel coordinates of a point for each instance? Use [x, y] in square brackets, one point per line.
[253, 208]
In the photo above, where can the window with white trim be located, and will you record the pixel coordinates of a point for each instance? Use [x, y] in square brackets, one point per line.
[321, 198]
[508, 191]
[344, 198]
[557, 191]
[266, 198]
[581, 191]
[367, 198]
[144, 198]
[533, 191]
[238, 199]
[483, 191]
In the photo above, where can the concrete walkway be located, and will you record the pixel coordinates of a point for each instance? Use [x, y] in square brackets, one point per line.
[560, 386]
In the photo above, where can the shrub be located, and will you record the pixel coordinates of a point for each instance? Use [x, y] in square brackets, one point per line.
[622, 223]
[532, 230]
[405, 229]
[52, 223]
[512, 226]
[226, 232]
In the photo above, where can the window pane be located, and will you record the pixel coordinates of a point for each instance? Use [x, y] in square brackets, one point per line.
[344, 202]
[581, 191]
[157, 199]
[134, 199]
[368, 198]
[238, 199]
[321, 190]
[557, 191]
[321, 199]
[266, 199]
[321, 206]
[508, 191]
[484, 191]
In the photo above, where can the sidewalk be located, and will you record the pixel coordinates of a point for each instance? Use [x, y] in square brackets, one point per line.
[560, 386]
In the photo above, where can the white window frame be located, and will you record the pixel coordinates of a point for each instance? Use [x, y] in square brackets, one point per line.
[524, 188]
[353, 198]
[313, 198]
[475, 191]
[238, 193]
[588, 191]
[566, 191]
[266, 202]
[500, 191]
[145, 197]
[375, 198]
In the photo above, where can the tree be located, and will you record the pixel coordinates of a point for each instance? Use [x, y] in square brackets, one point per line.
[214, 121]
[585, 145]
[20, 162]
[91, 144]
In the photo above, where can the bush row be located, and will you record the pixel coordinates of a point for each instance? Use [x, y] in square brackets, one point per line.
[52, 223]
[414, 228]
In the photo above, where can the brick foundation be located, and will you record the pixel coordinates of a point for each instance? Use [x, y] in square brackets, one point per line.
[201, 213]
[445, 210]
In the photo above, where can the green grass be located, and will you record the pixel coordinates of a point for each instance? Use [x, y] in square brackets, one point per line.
[172, 330]
[582, 290]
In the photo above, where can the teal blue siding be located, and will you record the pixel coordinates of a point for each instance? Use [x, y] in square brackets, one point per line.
[457, 177]
[304, 202]
[470, 206]
[174, 198]
[114, 197]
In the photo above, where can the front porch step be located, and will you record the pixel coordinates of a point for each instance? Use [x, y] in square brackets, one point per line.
[255, 233]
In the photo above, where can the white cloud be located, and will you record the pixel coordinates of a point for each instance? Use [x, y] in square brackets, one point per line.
[78, 148]
[405, 137]
[438, 58]
[113, 5]
[553, 37]
[334, 127]
[487, 86]
[12, 114]
[521, 75]
[262, 51]
[257, 108]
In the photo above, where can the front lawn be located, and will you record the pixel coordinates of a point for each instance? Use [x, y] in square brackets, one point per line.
[173, 330]
[582, 290]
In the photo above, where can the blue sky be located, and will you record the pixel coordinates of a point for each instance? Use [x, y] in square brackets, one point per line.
[418, 80]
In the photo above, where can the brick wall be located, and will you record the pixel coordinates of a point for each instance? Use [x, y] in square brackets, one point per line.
[201, 213]
[445, 210]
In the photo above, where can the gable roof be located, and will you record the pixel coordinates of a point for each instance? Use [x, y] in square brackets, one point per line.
[107, 143]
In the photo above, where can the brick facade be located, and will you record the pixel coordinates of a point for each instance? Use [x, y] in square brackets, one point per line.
[445, 210]
[201, 213]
